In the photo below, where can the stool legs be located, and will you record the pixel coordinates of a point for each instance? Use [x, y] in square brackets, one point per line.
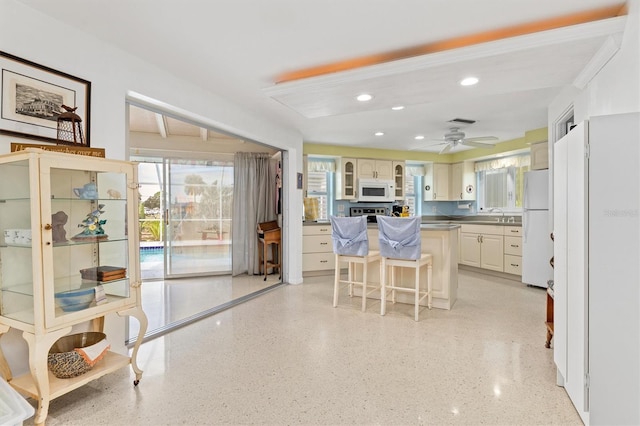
[364, 286]
[389, 283]
[336, 282]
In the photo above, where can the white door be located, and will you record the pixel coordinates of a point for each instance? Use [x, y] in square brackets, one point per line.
[577, 267]
[560, 150]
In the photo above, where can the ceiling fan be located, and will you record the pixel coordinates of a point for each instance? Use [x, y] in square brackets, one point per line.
[456, 137]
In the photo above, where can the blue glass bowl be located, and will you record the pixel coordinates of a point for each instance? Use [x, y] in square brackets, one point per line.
[75, 300]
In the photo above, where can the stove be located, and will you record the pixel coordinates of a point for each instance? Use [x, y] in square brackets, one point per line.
[370, 212]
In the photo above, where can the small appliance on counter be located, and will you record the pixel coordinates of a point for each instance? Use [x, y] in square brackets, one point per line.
[400, 211]
[370, 212]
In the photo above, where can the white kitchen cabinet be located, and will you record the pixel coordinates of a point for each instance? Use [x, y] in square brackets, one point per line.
[374, 169]
[346, 179]
[513, 250]
[64, 219]
[539, 156]
[463, 181]
[317, 249]
[470, 249]
[427, 185]
[482, 246]
[398, 178]
[441, 175]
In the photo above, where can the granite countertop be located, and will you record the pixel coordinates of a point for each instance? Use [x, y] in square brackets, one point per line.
[442, 222]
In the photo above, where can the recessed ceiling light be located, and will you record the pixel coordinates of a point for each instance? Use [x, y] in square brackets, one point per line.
[364, 97]
[469, 81]
[419, 137]
[397, 108]
[379, 133]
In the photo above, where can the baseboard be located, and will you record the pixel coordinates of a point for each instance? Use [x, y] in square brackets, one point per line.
[498, 274]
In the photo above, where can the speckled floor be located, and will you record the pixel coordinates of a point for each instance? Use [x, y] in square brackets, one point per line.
[289, 357]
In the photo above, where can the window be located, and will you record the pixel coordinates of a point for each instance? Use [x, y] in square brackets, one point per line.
[412, 199]
[501, 183]
[319, 184]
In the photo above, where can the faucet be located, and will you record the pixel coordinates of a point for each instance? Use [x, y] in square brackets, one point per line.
[497, 209]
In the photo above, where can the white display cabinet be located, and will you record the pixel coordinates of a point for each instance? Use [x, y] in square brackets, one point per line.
[67, 223]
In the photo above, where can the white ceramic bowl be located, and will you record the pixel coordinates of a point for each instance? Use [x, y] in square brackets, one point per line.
[75, 300]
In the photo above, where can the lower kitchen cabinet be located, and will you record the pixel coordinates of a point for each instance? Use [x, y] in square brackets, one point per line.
[482, 246]
[513, 250]
[317, 249]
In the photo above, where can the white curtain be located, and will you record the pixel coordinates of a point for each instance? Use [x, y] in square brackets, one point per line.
[254, 201]
[503, 163]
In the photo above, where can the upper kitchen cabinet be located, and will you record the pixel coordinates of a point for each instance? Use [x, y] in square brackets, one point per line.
[427, 186]
[398, 178]
[539, 156]
[346, 179]
[375, 169]
[463, 181]
[441, 175]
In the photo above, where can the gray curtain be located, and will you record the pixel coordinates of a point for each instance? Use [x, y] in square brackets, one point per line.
[254, 201]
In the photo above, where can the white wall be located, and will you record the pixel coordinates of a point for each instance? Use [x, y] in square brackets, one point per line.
[114, 75]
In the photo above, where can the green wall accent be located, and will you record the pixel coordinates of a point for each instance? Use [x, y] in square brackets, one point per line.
[537, 135]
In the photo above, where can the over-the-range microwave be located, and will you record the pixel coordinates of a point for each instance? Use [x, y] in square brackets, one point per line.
[376, 190]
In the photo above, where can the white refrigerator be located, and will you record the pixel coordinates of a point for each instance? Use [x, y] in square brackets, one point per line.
[537, 246]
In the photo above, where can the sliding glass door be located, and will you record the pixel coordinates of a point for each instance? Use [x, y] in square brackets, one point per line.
[185, 217]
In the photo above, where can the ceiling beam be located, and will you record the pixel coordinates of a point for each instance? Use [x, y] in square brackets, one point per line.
[458, 42]
[162, 125]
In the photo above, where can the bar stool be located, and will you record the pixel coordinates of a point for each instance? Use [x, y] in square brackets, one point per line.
[401, 246]
[351, 245]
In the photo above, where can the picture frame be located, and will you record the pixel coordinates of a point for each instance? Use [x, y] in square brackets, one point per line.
[300, 181]
[30, 94]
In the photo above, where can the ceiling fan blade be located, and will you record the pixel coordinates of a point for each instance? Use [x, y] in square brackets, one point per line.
[482, 138]
[447, 148]
[422, 146]
[477, 144]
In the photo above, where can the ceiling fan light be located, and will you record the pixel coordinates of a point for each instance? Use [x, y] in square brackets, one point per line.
[419, 137]
[379, 133]
[364, 97]
[469, 81]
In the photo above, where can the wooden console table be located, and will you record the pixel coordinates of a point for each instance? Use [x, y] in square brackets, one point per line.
[269, 235]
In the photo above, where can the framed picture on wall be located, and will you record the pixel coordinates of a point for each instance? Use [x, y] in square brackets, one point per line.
[32, 96]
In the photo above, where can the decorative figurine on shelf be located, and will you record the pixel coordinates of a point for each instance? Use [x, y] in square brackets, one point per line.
[92, 226]
[114, 194]
[88, 192]
[58, 220]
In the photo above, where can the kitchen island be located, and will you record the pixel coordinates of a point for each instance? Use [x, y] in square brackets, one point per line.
[440, 240]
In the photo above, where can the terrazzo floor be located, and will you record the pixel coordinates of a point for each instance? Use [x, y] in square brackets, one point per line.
[288, 357]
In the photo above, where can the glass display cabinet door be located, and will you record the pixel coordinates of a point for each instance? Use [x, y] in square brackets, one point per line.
[18, 258]
[85, 239]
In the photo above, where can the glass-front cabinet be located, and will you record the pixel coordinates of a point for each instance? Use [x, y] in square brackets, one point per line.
[68, 255]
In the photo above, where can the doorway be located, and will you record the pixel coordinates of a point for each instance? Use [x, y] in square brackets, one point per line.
[186, 177]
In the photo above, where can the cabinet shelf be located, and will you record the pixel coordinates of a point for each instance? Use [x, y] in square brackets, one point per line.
[58, 387]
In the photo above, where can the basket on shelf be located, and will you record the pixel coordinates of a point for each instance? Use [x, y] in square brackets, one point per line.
[65, 361]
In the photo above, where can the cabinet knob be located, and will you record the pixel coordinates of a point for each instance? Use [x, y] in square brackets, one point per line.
[47, 227]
